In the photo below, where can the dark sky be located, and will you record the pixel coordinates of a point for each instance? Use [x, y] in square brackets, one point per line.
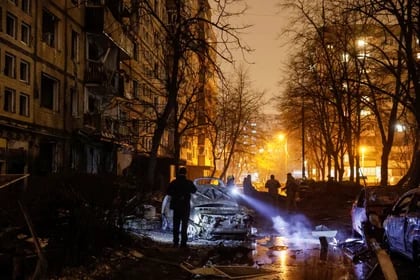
[270, 52]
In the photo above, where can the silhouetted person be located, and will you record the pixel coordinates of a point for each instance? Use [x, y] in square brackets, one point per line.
[180, 191]
[247, 185]
[291, 189]
[273, 186]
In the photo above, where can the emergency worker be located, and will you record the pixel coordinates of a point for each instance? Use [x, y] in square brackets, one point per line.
[180, 190]
[292, 188]
[273, 186]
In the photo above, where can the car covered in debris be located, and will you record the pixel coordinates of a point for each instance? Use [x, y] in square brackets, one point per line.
[402, 226]
[370, 207]
[215, 212]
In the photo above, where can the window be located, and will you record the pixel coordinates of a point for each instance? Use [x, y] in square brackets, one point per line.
[24, 71]
[74, 102]
[345, 57]
[24, 105]
[9, 100]
[93, 104]
[25, 33]
[11, 25]
[75, 46]
[26, 6]
[135, 89]
[49, 92]
[9, 65]
[49, 25]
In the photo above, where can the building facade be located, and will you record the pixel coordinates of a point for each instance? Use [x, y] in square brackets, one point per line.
[78, 84]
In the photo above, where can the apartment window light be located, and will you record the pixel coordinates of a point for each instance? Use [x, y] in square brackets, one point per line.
[361, 43]
[345, 57]
[400, 127]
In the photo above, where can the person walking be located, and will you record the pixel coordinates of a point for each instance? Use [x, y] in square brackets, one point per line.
[273, 186]
[180, 190]
[291, 190]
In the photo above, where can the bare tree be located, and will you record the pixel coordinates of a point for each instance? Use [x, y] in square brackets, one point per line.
[237, 107]
[360, 78]
[189, 51]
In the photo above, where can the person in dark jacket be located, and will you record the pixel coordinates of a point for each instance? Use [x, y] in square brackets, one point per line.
[292, 188]
[180, 191]
[273, 186]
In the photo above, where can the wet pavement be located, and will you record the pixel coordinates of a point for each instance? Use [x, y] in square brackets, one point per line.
[293, 248]
[302, 258]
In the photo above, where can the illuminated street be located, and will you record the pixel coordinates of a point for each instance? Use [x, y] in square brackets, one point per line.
[289, 246]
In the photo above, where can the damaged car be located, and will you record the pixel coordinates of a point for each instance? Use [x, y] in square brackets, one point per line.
[402, 226]
[215, 212]
[370, 208]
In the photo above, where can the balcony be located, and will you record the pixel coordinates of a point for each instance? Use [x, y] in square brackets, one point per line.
[99, 20]
[95, 72]
[105, 127]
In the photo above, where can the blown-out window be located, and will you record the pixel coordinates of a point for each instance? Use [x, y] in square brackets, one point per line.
[49, 92]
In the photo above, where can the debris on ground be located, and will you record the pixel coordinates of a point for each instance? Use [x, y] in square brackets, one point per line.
[230, 272]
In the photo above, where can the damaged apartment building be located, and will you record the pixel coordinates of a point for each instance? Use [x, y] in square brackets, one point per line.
[74, 78]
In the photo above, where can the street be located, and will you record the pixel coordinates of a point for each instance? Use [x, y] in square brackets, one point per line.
[301, 245]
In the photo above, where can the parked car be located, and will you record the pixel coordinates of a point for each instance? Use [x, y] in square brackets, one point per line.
[402, 226]
[370, 208]
[215, 213]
